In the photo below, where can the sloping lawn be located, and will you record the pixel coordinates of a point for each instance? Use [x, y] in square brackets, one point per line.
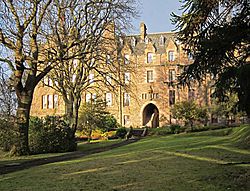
[82, 146]
[214, 160]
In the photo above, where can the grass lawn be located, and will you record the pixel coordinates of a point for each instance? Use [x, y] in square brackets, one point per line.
[82, 146]
[213, 160]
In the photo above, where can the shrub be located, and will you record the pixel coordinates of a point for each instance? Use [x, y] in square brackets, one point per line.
[175, 129]
[51, 134]
[8, 133]
[159, 131]
[121, 132]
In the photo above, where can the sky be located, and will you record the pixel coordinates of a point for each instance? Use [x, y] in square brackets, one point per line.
[156, 15]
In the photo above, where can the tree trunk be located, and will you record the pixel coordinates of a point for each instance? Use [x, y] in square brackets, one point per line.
[23, 115]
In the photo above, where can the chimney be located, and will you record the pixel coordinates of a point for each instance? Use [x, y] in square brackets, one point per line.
[143, 30]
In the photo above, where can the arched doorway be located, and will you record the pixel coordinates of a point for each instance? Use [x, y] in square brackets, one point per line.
[150, 116]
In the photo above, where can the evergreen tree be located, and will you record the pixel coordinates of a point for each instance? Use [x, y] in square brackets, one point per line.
[217, 33]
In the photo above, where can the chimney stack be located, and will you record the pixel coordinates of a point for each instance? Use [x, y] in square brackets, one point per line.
[143, 30]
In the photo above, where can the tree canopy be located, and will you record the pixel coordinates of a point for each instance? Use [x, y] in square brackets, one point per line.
[217, 33]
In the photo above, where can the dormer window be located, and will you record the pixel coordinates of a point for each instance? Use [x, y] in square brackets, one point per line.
[171, 57]
[126, 59]
[162, 40]
[149, 57]
[133, 41]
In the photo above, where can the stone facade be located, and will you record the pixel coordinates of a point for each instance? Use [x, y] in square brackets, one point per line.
[150, 90]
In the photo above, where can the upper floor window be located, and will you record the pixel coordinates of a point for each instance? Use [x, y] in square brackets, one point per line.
[126, 77]
[75, 63]
[190, 56]
[91, 78]
[88, 97]
[146, 40]
[150, 76]
[109, 99]
[47, 81]
[162, 40]
[133, 41]
[108, 79]
[171, 97]
[108, 59]
[171, 75]
[126, 99]
[126, 59]
[149, 57]
[73, 78]
[171, 57]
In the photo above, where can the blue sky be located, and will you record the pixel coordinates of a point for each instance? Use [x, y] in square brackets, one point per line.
[156, 15]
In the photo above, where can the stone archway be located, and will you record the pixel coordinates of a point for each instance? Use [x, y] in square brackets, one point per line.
[150, 116]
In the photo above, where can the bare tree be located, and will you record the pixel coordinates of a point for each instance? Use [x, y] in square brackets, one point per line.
[87, 33]
[21, 25]
[39, 34]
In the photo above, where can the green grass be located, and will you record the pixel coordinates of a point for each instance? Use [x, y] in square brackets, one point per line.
[82, 146]
[197, 161]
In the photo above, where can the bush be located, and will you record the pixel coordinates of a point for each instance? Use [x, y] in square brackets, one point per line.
[175, 129]
[50, 135]
[8, 133]
[159, 131]
[121, 132]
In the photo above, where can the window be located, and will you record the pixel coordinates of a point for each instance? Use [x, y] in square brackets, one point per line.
[133, 41]
[171, 75]
[171, 97]
[126, 99]
[88, 97]
[171, 56]
[47, 81]
[108, 99]
[126, 120]
[44, 102]
[94, 97]
[108, 79]
[108, 59]
[73, 78]
[191, 94]
[190, 56]
[150, 57]
[56, 103]
[50, 101]
[150, 76]
[162, 40]
[91, 78]
[75, 63]
[50, 82]
[126, 59]
[126, 77]
[146, 40]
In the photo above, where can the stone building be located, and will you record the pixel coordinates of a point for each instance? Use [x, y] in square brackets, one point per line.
[155, 60]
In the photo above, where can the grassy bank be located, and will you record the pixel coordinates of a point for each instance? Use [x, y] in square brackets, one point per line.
[212, 160]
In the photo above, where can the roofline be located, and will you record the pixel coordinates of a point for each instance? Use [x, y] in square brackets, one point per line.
[170, 32]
